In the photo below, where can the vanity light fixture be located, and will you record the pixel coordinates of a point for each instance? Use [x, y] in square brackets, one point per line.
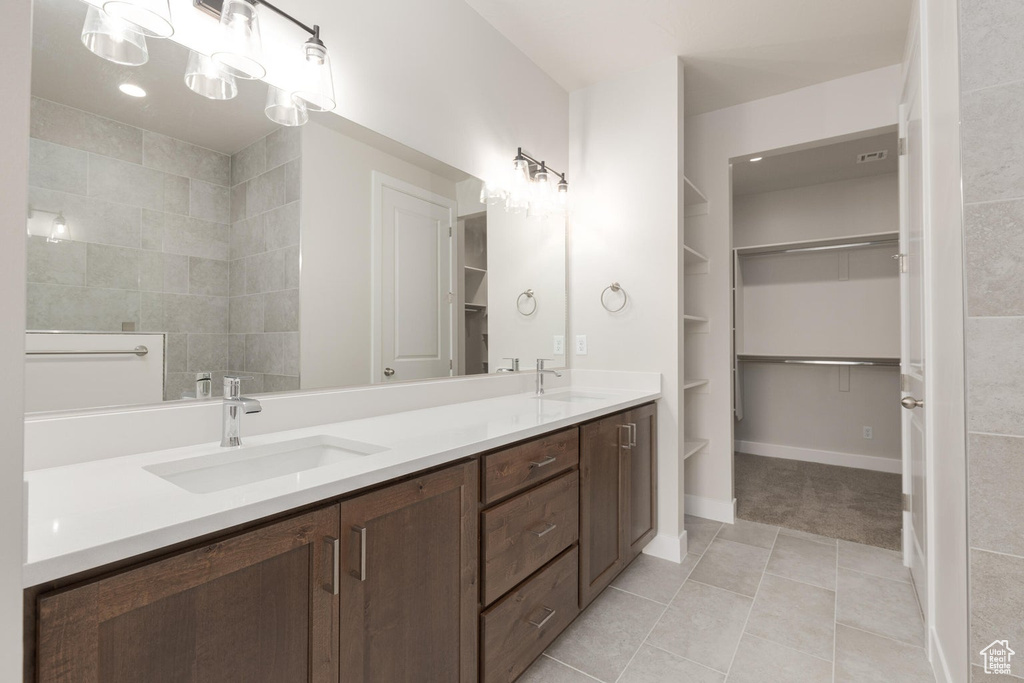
[112, 39]
[285, 108]
[59, 230]
[531, 188]
[150, 17]
[241, 47]
[208, 78]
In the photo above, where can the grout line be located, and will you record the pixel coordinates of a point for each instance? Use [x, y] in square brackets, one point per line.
[995, 552]
[750, 610]
[803, 583]
[742, 595]
[545, 654]
[873, 576]
[835, 617]
[637, 595]
[879, 635]
[642, 641]
[685, 659]
[1009, 436]
[788, 647]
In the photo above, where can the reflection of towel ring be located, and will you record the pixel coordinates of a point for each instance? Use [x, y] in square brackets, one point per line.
[529, 296]
[615, 287]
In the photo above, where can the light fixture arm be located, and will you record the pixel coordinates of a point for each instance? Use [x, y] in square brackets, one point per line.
[315, 31]
[520, 154]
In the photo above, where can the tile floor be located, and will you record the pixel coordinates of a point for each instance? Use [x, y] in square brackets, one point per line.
[751, 603]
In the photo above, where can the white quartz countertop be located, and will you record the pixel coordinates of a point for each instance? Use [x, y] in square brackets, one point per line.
[88, 515]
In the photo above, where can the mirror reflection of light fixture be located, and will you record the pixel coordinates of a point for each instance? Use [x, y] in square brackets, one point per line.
[240, 49]
[317, 82]
[112, 39]
[285, 108]
[208, 78]
[150, 17]
[59, 229]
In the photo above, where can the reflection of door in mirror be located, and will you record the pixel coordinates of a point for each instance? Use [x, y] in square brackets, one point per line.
[414, 282]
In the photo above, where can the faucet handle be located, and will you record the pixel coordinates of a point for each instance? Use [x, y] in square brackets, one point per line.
[541, 362]
[233, 385]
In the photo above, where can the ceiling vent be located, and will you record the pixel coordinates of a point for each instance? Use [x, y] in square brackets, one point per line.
[872, 156]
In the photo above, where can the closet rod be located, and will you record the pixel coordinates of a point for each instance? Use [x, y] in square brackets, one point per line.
[812, 360]
[754, 251]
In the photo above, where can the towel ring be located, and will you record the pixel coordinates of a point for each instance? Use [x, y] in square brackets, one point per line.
[529, 297]
[614, 287]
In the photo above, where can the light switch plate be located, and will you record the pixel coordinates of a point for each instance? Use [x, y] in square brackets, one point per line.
[581, 344]
[559, 346]
[869, 433]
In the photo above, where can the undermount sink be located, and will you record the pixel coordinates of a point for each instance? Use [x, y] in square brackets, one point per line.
[571, 397]
[237, 467]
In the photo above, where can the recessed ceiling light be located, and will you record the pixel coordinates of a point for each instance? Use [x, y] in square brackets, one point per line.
[131, 90]
[756, 159]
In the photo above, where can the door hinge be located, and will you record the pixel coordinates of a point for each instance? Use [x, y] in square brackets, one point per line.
[904, 382]
[902, 259]
[449, 231]
[451, 297]
[901, 147]
[451, 364]
[906, 502]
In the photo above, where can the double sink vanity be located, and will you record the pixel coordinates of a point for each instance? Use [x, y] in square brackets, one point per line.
[453, 542]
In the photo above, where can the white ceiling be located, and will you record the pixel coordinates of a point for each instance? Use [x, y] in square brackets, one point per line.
[734, 50]
[826, 163]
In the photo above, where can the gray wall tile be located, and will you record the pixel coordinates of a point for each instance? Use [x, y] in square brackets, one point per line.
[112, 267]
[284, 144]
[209, 202]
[266, 191]
[997, 600]
[281, 311]
[189, 236]
[993, 143]
[55, 167]
[281, 226]
[160, 272]
[91, 220]
[272, 271]
[280, 383]
[995, 258]
[276, 353]
[188, 313]
[88, 132]
[238, 202]
[995, 375]
[60, 263]
[207, 352]
[236, 352]
[249, 162]
[292, 180]
[236, 286]
[119, 181]
[59, 307]
[208, 276]
[996, 504]
[247, 237]
[151, 311]
[246, 314]
[991, 47]
[176, 357]
[184, 159]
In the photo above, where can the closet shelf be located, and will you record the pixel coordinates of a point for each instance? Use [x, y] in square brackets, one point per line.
[692, 257]
[691, 195]
[474, 269]
[693, 383]
[692, 446]
[847, 242]
[694, 319]
[475, 307]
[821, 360]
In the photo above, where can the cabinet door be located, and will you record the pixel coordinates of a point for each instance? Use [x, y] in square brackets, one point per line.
[603, 495]
[409, 592]
[261, 606]
[642, 519]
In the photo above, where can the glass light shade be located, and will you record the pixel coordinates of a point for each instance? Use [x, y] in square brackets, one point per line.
[112, 39]
[491, 195]
[59, 229]
[149, 17]
[285, 109]
[208, 78]
[240, 48]
[316, 84]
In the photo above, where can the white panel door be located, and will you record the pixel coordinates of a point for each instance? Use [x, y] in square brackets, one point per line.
[912, 237]
[415, 281]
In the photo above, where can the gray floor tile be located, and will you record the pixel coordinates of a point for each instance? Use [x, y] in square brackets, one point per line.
[603, 639]
[978, 675]
[654, 578]
[761, 661]
[751, 533]
[866, 658]
[881, 606]
[734, 566]
[699, 533]
[652, 665]
[703, 624]
[796, 615]
[795, 533]
[547, 670]
[868, 559]
[803, 560]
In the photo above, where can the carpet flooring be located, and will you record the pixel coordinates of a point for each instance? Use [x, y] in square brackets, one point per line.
[839, 502]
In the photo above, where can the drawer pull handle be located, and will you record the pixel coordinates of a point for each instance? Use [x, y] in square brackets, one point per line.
[361, 572]
[548, 528]
[629, 437]
[546, 619]
[334, 548]
[543, 463]
[632, 434]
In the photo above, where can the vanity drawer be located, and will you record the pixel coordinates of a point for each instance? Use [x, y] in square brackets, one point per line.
[518, 628]
[522, 534]
[522, 466]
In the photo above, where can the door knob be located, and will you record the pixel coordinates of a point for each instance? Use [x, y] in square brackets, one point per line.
[389, 372]
[909, 402]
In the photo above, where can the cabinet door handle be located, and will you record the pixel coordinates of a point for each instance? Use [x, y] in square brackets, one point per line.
[548, 528]
[334, 550]
[361, 572]
[546, 619]
[544, 461]
[629, 441]
[632, 434]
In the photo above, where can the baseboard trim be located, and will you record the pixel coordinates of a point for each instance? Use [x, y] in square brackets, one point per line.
[667, 547]
[862, 462]
[940, 669]
[709, 508]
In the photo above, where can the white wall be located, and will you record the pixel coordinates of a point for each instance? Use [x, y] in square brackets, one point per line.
[335, 282]
[15, 51]
[624, 161]
[862, 102]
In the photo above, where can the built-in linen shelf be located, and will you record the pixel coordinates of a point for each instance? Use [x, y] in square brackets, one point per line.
[694, 383]
[695, 203]
[475, 307]
[694, 319]
[875, 239]
[878, 361]
[695, 324]
[694, 262]
[474, 269]
[691, 446]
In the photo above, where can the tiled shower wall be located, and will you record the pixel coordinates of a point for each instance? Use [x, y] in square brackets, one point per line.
[149, 218]
[264, 319]
[992, 113]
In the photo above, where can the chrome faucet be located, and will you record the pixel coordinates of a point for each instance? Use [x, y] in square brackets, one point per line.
[540, 374]
[514, 367]
[234, 405]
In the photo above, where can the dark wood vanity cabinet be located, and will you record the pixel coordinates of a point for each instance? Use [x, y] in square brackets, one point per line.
[618, 500]
[260, 606]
